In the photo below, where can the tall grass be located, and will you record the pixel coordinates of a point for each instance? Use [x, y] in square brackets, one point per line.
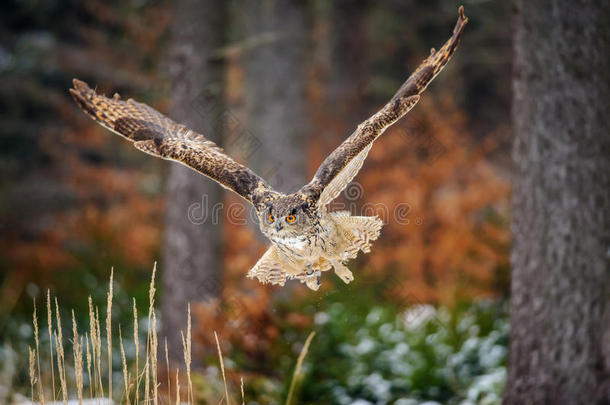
[88, 354]
[140, 382]
[298, 373]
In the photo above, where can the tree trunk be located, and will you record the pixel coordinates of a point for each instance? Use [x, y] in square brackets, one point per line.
[192, 244]
[275, 91]
[342, 71]
[560, 291]
[348, 70]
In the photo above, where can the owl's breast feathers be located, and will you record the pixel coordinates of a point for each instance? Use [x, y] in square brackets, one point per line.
[337, 237]
[303, 248]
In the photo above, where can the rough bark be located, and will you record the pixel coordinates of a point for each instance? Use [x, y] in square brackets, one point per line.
[560, 289]
[192, 268]
[275, 95]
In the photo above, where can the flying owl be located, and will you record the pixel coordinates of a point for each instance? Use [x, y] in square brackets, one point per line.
[306, 239]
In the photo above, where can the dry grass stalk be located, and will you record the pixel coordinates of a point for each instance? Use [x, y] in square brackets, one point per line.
[152, 290]
[186, 347]
[187, 364]
[61, 359]
[60, 368]
[78, 361]
[98, 352]
[32, 371]
[146, 380]
[36, 338]
[109, 334]
[50, 325]
[96, 347]
[136, 340]
[150, 337]
[169, 388]
[91, 355]
[241, 386]
[125, 372]
[222, 367]
[153, 358]
[297, 370]
[177, 389]
[89, 366]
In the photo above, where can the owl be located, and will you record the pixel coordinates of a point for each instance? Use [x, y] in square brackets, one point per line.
[306, 238]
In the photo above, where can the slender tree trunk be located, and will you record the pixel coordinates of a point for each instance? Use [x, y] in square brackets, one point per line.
[342, 70]
[560, 291]
[275, 95]
[349, 73]
[192, 268]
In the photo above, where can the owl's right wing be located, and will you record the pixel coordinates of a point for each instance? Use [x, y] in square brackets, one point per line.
[340, 167]
[154, 133]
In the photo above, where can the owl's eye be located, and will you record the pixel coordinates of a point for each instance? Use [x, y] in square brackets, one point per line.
[291, 218]
[271, 218]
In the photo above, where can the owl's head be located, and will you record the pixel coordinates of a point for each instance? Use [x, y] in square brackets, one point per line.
[286, 217]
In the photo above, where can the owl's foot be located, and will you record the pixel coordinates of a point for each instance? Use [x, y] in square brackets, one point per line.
[343, 272]
[313, 278]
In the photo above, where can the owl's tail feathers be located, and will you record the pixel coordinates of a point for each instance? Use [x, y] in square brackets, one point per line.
[268, 269]
[359, 231]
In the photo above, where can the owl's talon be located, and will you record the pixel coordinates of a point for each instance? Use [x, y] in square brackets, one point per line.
[313, 279]
[313, 274]
[346, 277]
[343, 272]
[313, 284]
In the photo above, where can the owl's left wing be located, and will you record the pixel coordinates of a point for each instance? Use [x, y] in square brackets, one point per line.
[154, 133]
[340, 167]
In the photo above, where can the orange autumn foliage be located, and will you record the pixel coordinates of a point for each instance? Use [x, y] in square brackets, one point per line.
[454, 241]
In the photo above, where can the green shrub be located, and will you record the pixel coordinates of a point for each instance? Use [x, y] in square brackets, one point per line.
[423, 355]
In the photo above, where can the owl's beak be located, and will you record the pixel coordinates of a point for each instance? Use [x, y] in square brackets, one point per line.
[278, 226]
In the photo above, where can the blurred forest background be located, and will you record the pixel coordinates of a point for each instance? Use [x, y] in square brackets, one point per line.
[77, 200]
[278, 85]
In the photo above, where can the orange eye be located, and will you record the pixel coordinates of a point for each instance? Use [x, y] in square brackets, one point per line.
[271, 218]
[291, 218]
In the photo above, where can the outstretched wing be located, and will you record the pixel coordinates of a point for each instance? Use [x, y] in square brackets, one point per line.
[340, 167]
[154, 133]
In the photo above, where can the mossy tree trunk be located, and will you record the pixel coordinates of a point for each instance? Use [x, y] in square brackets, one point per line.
[560, 291]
